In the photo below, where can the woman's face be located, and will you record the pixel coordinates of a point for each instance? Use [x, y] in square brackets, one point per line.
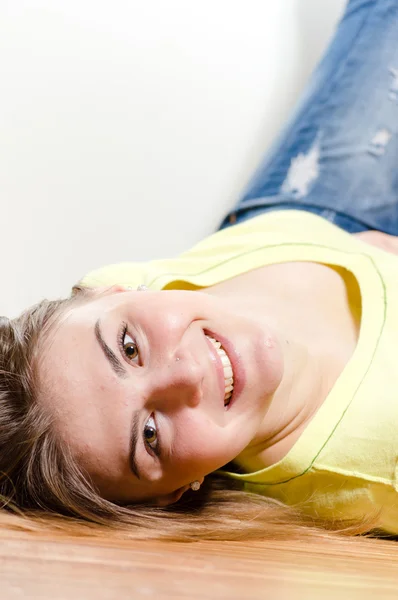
[138, 388]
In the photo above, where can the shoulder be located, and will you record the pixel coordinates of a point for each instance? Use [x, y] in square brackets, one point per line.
[381, 240]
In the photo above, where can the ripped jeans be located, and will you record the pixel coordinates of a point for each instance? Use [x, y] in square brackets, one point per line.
[338, 155]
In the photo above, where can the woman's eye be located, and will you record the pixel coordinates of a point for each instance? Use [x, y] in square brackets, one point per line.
[151, 434]
[130, 348]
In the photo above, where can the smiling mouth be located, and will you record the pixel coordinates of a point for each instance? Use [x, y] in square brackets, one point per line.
[227, 366]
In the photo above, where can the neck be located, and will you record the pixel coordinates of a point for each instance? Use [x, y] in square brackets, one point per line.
[308, 378]
[308, 306]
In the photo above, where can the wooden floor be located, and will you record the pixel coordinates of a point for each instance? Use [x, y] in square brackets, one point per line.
[47, 569]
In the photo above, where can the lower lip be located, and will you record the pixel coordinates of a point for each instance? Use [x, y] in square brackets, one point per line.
[237, 367]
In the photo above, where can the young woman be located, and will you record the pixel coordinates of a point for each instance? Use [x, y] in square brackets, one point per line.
[247, 388]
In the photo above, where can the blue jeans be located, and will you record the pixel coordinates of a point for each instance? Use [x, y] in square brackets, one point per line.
[338, 155]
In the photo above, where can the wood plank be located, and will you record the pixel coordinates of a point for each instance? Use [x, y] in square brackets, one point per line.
[46, 568]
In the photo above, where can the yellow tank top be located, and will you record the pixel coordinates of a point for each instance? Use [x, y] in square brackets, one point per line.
[344, 464]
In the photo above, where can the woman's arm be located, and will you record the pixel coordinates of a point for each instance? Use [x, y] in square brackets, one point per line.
[386, 242]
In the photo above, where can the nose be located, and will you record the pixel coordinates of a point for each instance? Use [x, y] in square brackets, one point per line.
[176, 383]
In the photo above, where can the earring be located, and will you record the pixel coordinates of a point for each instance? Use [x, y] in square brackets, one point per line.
[142, 288]
[195, 486]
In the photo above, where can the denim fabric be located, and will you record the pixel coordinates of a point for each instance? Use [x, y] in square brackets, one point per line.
[338, 155]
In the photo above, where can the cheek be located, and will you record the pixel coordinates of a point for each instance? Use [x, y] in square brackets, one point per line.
[201, 446]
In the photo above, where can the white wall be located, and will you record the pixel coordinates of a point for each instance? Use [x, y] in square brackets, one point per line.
[128, 127]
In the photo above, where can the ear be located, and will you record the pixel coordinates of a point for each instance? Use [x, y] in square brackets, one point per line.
[171, 498]
[115, 289]
[104, 290]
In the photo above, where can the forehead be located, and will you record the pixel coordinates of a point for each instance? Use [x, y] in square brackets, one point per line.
[68, 351]
[77, 383]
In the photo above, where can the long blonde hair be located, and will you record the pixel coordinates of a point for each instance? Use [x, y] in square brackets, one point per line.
[42, 487]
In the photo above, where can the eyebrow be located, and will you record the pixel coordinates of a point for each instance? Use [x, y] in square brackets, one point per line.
[122, 373]
[133, 444]
[109, 354]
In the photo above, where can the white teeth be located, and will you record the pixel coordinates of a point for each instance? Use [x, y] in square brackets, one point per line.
[228, 373]
[224, 360]
[227, 399]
